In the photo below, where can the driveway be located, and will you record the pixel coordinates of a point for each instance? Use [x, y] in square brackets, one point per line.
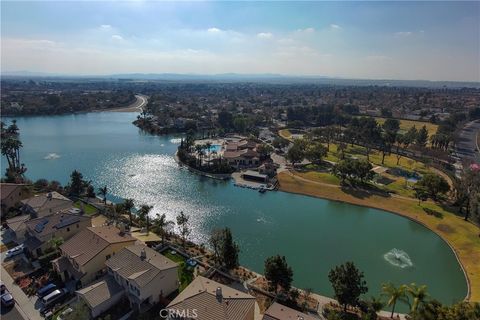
[24, 306]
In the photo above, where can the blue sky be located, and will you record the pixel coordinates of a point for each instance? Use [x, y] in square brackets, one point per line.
[394, 40]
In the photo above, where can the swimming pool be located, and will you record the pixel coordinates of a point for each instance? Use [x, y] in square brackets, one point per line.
[215, 147]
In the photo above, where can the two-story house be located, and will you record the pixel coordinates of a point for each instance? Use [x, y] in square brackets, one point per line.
[136, 272]
[11, 194]
[83, 256]
[64, 224]
[145, 274]
[208, 299]
[45, 204]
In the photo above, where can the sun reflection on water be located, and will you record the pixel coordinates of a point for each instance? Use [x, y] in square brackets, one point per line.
[156, 180]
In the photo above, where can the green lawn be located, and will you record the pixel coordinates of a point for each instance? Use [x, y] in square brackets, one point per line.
[405, 125]
[174, 257]
[286, 134]
[89, 209]
[376, 158]
[185, 273]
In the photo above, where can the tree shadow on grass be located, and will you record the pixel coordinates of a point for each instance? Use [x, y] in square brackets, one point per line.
[434, 213]
[363, 191]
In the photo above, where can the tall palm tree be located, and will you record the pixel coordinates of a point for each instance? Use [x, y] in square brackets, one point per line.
[419, 295]
[342, 146]
[55, 243]
[103, 191]
[394, 294]
[198, 150]
[161, 223]
[208, 145]
[143, 214]
[128, 205]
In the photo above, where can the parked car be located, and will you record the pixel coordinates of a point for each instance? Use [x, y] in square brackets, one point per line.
[54, 297]
[14, 251]
[7, 299]
[46, 289]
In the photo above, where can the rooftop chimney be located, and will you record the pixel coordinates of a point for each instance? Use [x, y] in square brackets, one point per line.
[218, 293]
[143, 254]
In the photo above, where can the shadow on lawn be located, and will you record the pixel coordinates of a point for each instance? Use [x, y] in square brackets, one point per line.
[363, 191]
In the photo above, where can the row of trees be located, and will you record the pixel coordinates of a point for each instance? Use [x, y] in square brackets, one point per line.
[353, 170]
[467, 192]
[364, 131]
[10, 148]
[193, 154]
[313, 151]
[349, 285]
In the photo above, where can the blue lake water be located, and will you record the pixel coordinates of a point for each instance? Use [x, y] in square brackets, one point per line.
[314, 234]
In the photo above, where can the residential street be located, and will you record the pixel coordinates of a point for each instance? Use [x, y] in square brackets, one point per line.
[10, 313]
[467, 148]
[24, 307]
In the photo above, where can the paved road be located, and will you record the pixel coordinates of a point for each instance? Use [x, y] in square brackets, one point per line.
[141, 101]
[10, 313]
[466, 146]
[24, 307]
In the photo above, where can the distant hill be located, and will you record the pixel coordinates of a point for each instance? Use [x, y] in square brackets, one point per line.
[236, 77]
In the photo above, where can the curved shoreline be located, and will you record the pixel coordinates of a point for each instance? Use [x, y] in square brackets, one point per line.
[462, 265]
[215, 176]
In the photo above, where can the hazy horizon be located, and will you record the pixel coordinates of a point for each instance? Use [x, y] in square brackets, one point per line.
[436, 41]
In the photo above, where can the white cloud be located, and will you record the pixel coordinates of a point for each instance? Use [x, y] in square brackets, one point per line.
[214, 30]
[105, 27]
[403, 33]
[307, 30]
[265, 35]
[335, 26]
[117, 37]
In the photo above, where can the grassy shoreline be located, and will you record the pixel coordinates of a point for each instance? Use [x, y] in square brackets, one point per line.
[463, 237]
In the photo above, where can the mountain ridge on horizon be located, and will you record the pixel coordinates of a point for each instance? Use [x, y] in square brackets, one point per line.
[232, 76]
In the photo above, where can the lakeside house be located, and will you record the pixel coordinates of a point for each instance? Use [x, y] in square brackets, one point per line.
[11, 194]
[280, 312]
[146, 276]
[83, 256]
[136, 273]
[209, 299]
[242, 154]
[64, 224]
[45, 204]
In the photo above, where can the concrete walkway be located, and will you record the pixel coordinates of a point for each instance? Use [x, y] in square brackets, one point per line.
[24, 305]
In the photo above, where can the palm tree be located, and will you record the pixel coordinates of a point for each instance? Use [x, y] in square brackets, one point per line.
[208, 145]
[55, 243]
[198, 150]
[143, 214]
[103, 191]
[376, 304]
[394, 294]
[342, 146]
[419, 294]
[128, 205]
[161, 223]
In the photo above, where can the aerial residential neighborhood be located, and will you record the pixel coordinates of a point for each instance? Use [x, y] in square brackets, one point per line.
[239, 160]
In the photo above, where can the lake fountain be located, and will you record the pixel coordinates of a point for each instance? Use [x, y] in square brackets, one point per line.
[398, 258]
